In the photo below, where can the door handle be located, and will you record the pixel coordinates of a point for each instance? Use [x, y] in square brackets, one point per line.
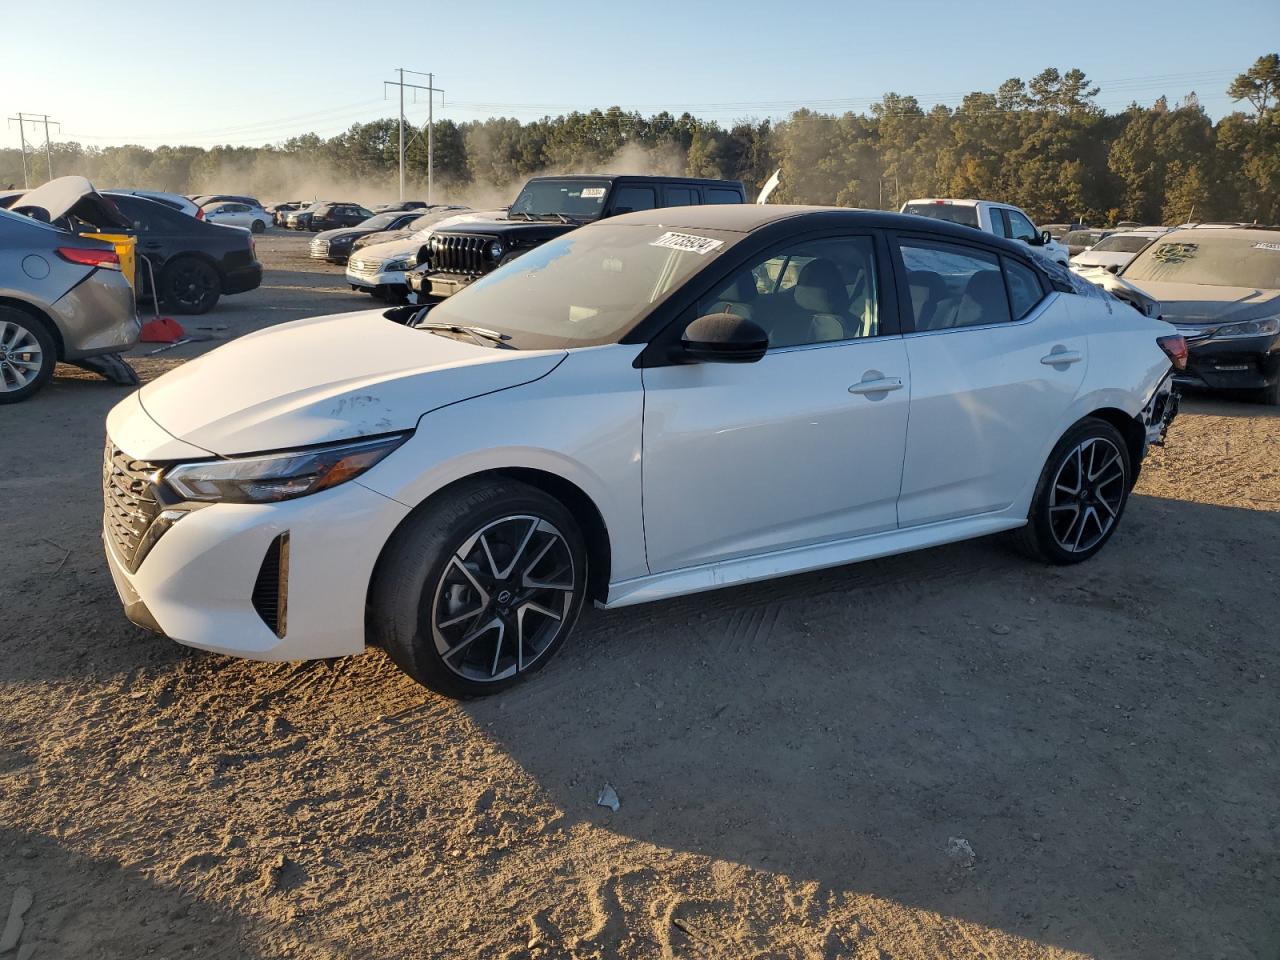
[879, 385]
[1063, 357]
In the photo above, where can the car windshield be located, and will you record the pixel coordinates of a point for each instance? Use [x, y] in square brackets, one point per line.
[1084, 238]
[1121, 243]
[951, 212]
[579, 199]
[380, 221]
[587, 287]
[1211, 259]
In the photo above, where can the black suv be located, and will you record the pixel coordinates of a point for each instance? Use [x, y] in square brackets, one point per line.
[548, 207]
[330, 216]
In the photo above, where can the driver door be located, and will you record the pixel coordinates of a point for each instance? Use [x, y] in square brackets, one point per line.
[802, 447]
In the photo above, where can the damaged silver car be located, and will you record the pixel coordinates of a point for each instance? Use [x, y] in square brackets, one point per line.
[63, 295]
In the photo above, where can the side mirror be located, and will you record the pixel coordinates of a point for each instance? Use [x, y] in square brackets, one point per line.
[1112, 268]
[724, 338]
[1046, 238]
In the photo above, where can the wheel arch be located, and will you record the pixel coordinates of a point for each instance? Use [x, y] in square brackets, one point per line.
[31, 310]
[584, 509]
[1135, 437]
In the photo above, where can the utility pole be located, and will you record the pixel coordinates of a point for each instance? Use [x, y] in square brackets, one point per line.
[48, 151]
[431, 91]
[22, 136]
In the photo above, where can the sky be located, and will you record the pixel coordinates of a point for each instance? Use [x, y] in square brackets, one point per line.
[247, 73]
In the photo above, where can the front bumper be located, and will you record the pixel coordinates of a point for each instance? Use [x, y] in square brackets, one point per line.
[446, 284]
[196, 585]
[244, 278]
[382, 279]
[1246, 364]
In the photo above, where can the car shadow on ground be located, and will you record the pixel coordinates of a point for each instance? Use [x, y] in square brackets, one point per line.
[1110, 767]
[82, 906]
[1113, 775]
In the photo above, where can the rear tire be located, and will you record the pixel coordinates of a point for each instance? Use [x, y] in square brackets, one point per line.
[28, 354]
[1080, 497]
[190, 286]
[480, 588]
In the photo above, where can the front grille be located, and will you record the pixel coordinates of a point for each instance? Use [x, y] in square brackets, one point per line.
[364, 269]
[319, 249]
[129, 502]
[459, 253]
[271, 589]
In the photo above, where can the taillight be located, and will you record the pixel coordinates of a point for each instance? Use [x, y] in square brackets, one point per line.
[199, 213]
[1175, 347]
[107, 259]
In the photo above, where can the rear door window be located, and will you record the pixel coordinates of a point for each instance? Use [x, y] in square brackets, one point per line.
[680, 196]
[1025, 289]
[999, 223]
[629, 199]
[953, 286]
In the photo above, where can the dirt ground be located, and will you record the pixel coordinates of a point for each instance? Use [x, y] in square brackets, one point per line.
[949, 754]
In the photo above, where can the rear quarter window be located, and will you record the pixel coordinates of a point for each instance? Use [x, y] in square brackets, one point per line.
[721, 195]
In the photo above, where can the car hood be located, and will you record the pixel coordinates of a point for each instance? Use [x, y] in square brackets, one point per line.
[326, 379]
[392, 250]
[341, 233]
[1102, 258]
[1201, 303]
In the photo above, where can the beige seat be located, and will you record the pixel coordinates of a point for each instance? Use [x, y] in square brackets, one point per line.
[819, 307]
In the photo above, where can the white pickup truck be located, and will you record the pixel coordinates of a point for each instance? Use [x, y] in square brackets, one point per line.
[1002, 219]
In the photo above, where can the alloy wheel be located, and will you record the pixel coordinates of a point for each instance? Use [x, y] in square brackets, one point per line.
[1088, 492]
[503, 598]
[21, 356]
[190, 284]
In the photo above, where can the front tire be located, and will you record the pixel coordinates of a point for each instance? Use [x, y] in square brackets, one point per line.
[28, 355]
[1080, 497]
[259, 226]
[190, 286]
[480, 588]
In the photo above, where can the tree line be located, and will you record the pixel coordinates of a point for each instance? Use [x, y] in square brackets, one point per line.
[1043, 144]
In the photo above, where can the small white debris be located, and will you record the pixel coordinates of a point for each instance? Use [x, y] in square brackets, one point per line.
[960, 852]
[22, 899]
[608, 798]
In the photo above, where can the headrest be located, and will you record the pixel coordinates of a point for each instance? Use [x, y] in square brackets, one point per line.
[820, 288]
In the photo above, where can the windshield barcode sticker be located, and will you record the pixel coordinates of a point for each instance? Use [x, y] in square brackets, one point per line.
[1267, 246]
[688, 243]
[592, 193]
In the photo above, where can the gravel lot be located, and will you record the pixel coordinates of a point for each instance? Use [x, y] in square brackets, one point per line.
[950, 754]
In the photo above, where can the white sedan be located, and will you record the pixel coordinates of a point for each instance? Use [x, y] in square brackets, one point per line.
[1113, 252]
[660, 403]
[232, 214]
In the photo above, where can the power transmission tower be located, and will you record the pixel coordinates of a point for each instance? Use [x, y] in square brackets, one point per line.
[22, 135]
[23, 119]
[431, 92]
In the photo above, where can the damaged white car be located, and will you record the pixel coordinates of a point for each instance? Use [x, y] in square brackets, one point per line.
[656, 404]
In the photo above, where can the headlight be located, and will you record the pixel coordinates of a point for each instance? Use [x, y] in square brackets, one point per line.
[396, 265]
[495, 250]
[1266, 327]
[278, 476]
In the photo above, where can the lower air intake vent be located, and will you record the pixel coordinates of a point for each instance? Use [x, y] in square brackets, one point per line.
[271, 589]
